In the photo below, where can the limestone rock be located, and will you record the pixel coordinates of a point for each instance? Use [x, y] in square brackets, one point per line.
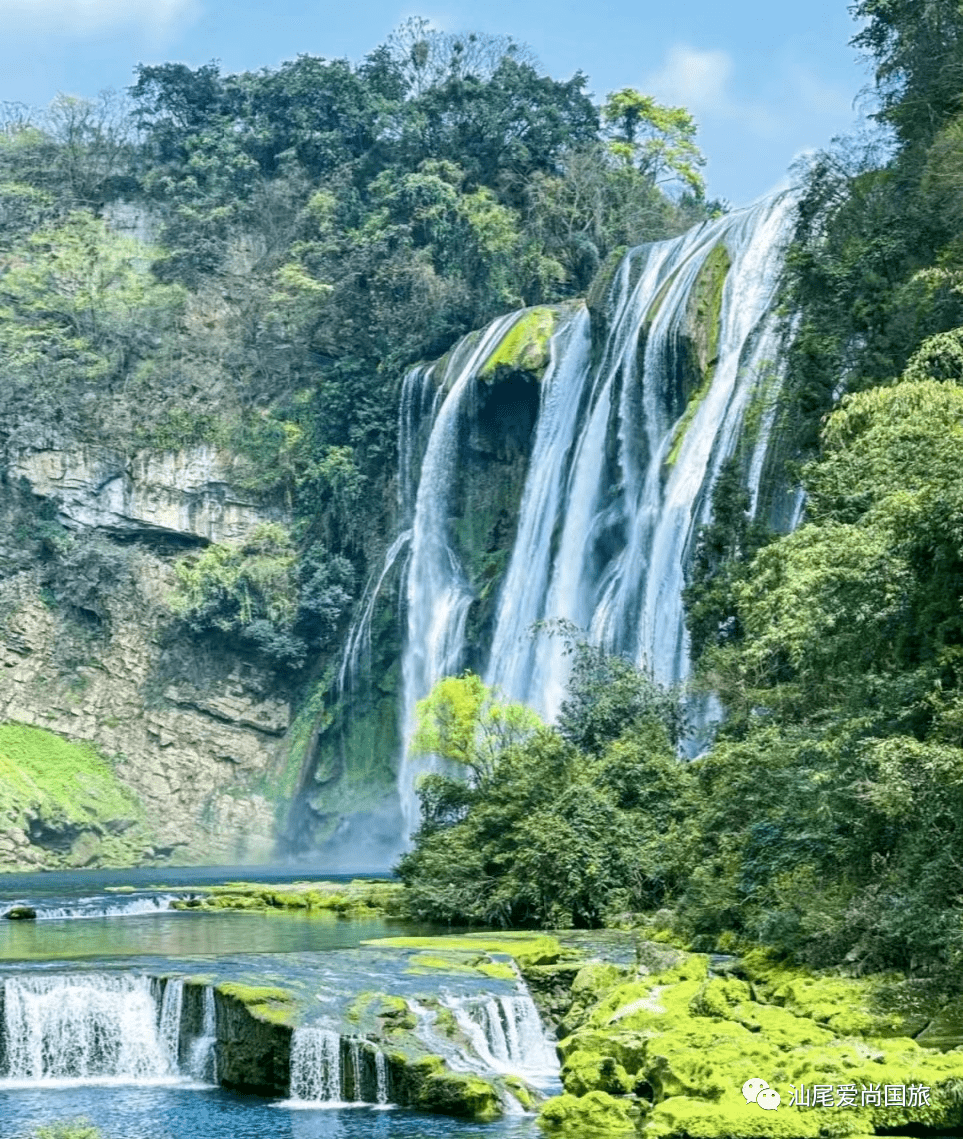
[185, 492]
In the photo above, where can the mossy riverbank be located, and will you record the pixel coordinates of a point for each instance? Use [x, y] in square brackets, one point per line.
[662, 1048]
[358, 898]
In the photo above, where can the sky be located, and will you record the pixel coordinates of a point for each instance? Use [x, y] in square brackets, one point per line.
[766, 80]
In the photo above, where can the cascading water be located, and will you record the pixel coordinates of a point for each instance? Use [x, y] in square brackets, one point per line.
[316, 1065]
[438, 594]
[202, 1061]
[620, 476]
[172, 1006]
[381, 1079]
[618, 570]
[507, 1034]
[83, 1027]
[634, 427]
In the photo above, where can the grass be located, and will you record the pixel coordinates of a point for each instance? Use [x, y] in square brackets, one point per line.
[63, 782]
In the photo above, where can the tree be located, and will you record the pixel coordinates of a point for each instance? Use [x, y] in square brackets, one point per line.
[608, 696]
[918, 51]
[658, 140]
[465, 722]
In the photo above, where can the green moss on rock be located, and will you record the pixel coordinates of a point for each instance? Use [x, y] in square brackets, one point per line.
[685, 1041]
[523, 348]
[67, 799]
[594, 1114]
[265, 1003]
[700, 342]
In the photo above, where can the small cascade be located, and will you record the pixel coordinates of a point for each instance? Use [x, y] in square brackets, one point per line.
[507, 1034]
[202, 1060]
[85, 1027]
[354, 1051]
[381, 1079]
[101, 907]
[316, 1066]
[169, 1026]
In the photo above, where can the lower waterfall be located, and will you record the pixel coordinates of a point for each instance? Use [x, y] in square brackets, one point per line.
[507, 1034]
[331, 1070]
[84, 1027]
[316, 1066]
[202, 1063]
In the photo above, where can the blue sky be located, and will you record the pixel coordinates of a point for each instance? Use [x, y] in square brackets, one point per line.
[765, 79]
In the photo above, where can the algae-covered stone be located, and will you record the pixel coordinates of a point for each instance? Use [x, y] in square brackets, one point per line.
[587, 1071]
[523, 348]
[262, 1002]
[945, 1030]
[595, 1114]
[254, 1027]
[849, 1006]
[454, 1093]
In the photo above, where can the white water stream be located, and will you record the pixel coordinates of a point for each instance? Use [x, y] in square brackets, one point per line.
[618, 484]
[86, 1027]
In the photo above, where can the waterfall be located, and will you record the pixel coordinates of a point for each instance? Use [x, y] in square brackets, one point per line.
[316, 1065]
[438, 595]
[84, 1027]
[507, 1034]
[101, 907]
[169, 1027]
[202, 1062]
[381, 1079]
[354, 1051]
[610, 555]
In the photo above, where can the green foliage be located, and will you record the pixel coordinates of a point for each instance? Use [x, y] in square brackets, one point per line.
[78, 309]
[463, 721]
[545, 834]
[838, 782]
[607, 695]
[657, 140]
[260, 592]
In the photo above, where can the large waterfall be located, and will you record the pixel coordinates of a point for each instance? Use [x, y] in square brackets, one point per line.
[622, 466]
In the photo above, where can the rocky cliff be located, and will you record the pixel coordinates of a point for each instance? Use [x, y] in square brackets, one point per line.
[90, 652]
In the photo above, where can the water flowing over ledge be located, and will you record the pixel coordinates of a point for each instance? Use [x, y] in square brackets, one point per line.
[635, 422]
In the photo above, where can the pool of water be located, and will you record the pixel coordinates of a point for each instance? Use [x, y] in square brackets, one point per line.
[82, 917]
[186, 1113]
[85, 926]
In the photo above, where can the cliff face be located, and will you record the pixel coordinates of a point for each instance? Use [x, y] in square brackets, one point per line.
[227, 756]
[89, 651]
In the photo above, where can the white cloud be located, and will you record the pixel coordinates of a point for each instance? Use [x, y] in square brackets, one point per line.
[84, 17]
[700, 81]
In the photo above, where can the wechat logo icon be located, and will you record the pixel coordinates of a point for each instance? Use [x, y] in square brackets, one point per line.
[760, 1093]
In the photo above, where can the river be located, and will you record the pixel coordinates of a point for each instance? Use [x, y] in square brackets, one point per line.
[79, 973]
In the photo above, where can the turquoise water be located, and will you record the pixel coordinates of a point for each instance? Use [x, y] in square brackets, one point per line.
[181, 1113]
[85, 926]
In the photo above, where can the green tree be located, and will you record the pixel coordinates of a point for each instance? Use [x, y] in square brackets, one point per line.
[658, 140]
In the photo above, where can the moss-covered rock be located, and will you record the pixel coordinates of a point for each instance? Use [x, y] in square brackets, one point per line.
[254, 1028]
[359, 898]
[523, 348]
[594, 1114]
[454, 1093]
[685, 1041]
[698, 344]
